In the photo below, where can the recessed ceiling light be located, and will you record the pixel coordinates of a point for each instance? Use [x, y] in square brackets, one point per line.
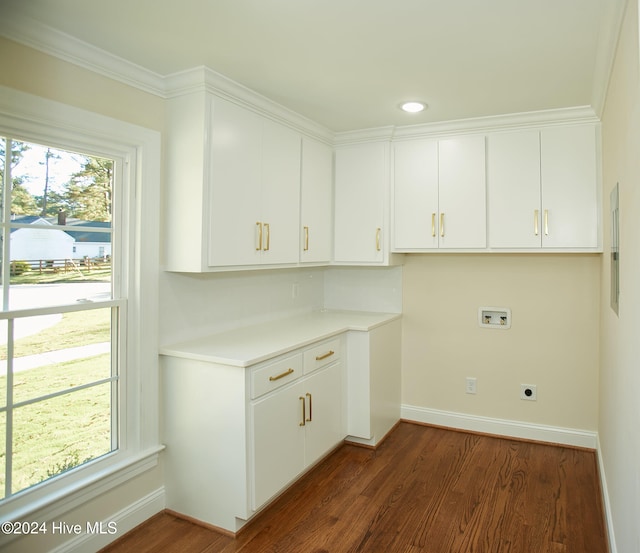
[413, 107]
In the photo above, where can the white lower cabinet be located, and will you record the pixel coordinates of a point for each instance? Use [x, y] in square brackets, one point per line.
[373, 386]
[294, 427]
[246, 412]
[235, 437]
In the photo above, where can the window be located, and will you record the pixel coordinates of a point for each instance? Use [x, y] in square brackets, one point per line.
[59, 334]
[78, 329]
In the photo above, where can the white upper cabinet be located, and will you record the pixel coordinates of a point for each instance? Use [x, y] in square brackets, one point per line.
[233, 195]
[462, 221]
[316, 202]
[440, 194]
[543, 189]
[415, 195]
[569, 187]
[513, 175]
[280, 216]
[361, 198]
[234, 185]
[254, 189]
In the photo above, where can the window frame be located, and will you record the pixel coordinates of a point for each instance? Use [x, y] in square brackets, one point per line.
[34, 119]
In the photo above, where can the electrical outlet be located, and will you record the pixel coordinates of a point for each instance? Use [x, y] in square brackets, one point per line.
[528, 392]
[471, 387]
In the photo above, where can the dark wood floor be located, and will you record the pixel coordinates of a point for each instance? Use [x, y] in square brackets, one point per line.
[424, 490]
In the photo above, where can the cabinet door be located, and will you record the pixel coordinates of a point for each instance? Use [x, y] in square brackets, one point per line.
[278, 442]
[513, 173]
[361, 177]
[569, 187]
[462, 192]
[316, 202]
[324, 428]
[280, 193]
[415, 195]
[234, 185]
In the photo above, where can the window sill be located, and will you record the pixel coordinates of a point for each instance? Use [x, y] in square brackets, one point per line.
[38, 505]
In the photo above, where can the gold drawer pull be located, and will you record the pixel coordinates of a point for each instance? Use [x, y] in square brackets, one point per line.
[324, 355]
[310, 419]
[306, 239]
[433, 224]
[259, 228]
[278, 377]
[535, 222]
[304, 411]
[267, 229]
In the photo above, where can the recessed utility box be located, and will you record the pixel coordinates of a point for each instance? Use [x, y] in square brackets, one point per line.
[494, 317]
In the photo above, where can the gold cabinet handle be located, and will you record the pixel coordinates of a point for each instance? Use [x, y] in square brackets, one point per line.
[259, 243]
[433, 225]
[304, 411]
[306, 239]
[441, 224]
[282, 375]
[325, 355]
[267, 229]
[546, 222]
[310, 419]
[536, 213]
[378, 231]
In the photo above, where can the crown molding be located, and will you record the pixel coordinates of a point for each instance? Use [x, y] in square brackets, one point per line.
[613, 13]
[562, 116]
[203, 79]
[43, 38]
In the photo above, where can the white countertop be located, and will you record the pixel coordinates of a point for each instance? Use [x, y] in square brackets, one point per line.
[249, 345]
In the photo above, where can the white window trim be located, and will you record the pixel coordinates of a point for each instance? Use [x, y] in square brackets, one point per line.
[27, 117]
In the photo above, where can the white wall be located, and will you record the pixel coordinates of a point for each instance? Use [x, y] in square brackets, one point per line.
[194, 305]
[619, 422]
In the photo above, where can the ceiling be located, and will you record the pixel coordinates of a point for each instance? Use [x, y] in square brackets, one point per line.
[347, 64]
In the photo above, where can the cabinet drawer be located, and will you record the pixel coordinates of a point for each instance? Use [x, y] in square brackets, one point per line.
[275, 375]
[322, 355]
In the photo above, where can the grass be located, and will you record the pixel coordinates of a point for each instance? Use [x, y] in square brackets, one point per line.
[57, 434]
[75, 329]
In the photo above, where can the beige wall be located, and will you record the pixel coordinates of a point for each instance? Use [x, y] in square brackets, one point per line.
[553, 341]
[619, 423]
[31, 71]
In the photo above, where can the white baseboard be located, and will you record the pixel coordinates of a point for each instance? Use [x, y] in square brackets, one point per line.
[605, 501]
[501, 427]
[125, 520]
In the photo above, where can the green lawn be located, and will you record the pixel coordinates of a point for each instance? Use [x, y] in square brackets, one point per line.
[59, 433]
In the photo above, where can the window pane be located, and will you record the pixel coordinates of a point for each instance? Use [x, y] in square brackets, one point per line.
[53, 188]
[51, 183]
[59, 434]
[54, 352]
[74, 350]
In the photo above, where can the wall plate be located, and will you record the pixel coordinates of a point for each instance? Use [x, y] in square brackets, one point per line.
[494, 317]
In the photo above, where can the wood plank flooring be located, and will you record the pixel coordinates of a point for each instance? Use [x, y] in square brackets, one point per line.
[424, 490]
